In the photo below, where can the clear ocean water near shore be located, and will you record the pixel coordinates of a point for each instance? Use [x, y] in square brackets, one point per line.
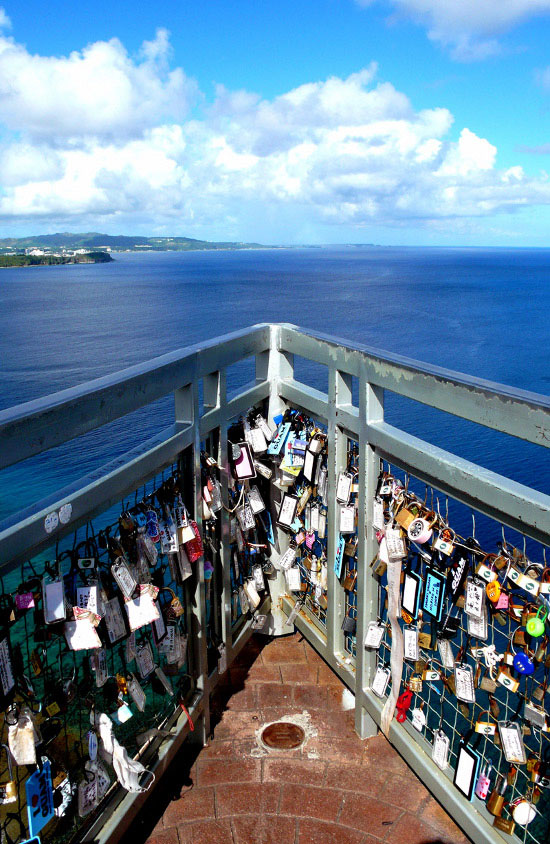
[483, 312]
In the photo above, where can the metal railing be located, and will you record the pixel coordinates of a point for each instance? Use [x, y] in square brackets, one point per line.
[38, 426]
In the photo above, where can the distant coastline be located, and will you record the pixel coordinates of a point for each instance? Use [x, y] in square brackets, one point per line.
[18, 260]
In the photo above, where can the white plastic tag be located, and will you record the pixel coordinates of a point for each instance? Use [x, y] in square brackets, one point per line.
[124, 578]
[343, 487]
[395, 545]
[464, 682]
[116, 629]
[255, 500]
[347, 519]
[378, 514]
[81, 635]
[256, 439]
[287, 512]
[264, 427]
[252, 594]
[375, 634]
[288, 558]
[293, 580]
[87, 598]
[418, 719]
[446, 653]
[410, 643]
[478, 627]
[54, 601]
[381, 680]
[440, 749]
[137, 694]
[475, 598]
[512, 742]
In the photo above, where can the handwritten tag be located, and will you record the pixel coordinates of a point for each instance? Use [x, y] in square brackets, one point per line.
[293, 579]
[7, 679]
[343, 487]
[375, 634]
[475, 598]
[378, 514]
[395, 545]
[410, 643]
[440, 749]
[381, 680]
[141, 611]
[144, 660]
[512, 742]
[464, 683]
[347, 519]
[116, 629]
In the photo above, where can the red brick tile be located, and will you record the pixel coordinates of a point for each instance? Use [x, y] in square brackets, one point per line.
[293, 673]
[363, 778]
[409, 829]
[269, 829]
[310, 697]
[166, 836]
[216, 772]
[309, 802]
[326, 676]
[261, 673]
[237, 725]
[217, 750]
[196, 803]
[380, 752]
[404, 790]
[244, 698]
[317, 832]
[249, 799]
[272, 694]
[280, 650]
[434, 815]
[336, 749]
[207, 832]
[302, 772]
[369, 815]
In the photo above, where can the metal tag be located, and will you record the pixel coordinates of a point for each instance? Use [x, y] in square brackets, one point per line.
[343, 487]
[475, 598]
[464, 683]
[136, 692]
[512, 742]
[410, 643]
[440, 749]
[381, 680]
[124, 577]
[375, 634]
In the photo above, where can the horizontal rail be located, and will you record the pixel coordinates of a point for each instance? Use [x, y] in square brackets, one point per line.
[41, 424]
[520, 413]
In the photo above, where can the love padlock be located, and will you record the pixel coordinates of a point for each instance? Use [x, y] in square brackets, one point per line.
[535, 626]
[493, 591]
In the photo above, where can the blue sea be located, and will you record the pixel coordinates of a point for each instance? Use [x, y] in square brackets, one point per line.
[478, 311]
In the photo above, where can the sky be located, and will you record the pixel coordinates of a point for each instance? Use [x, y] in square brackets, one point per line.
[415, 122]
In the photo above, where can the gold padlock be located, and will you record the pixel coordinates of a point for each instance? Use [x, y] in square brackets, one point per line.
[8, 790]
[175, 609]
[406, 515]
[415, 684]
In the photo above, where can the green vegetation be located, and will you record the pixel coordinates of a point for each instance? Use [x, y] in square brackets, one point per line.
[41, 260]
[116, 243]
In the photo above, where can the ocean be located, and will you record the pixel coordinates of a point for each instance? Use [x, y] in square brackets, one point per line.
[478, 311]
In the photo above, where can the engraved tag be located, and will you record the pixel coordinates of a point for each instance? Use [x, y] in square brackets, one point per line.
[464, 682]
[343, 487]
[375, 634]
[347, 519]
[116, 629]
[144, 660]
[512, 742]
[410, 642]
[124, 578]
[440, 749]
[255, 500]
[506, 825]
[381, 680]
[136, 693]
[475, 598]
[294, 612]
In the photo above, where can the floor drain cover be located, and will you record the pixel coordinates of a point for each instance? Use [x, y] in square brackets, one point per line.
[283, 735]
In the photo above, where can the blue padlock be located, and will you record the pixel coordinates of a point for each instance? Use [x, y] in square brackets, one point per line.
[523, 663]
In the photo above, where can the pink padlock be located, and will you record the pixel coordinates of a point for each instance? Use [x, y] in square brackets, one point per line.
[420, 530]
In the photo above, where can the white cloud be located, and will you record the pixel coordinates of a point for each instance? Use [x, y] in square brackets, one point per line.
[5, 22]
[100, 90]
[350, 152]
[468, 27]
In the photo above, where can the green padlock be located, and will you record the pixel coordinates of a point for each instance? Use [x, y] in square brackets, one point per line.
[535, 626]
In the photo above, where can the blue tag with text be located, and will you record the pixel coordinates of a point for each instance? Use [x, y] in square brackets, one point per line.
[39, 791]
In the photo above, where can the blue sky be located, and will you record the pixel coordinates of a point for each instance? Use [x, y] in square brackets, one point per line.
[387, 121]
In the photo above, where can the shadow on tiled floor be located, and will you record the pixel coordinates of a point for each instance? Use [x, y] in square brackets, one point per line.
[335, 788]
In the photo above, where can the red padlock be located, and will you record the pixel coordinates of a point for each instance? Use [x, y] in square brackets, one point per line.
[403, 703]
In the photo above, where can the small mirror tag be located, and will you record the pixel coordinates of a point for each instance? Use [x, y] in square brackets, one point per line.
[116, 629]
[512, 742]
[440, 749]
[255, 500]
[375, 634]
[293, 579]
[136, 693]
[378, 514]
[124, 578]
[343, 487]
[144, 660]
[446, 653]
[395, 545]
[464, 683]
[381, 680]
[410, 643]
[347, 519]
[478, 627]
[475, 598]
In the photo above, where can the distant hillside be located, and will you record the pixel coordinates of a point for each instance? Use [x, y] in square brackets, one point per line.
[116, 243]
[49, 260]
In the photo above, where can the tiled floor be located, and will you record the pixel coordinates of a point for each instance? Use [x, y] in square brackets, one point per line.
[336, 788]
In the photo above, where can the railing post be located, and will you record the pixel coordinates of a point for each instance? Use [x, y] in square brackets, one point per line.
[186, 403]
[371, 409]
[339, 394]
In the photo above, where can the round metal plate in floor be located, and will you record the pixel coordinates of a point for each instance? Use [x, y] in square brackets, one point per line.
[283, 735]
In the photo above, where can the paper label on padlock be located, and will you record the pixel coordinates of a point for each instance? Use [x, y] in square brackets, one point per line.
[513, 574]
[440, 749]
[347, 519]
[530, 584]
[410, 643]
[443, 546]
[431, 675]
[375, 634]
[116, 629]
[381, 680]
[507, 681]
[343, 487]
[486, 728]
[475, 598]
[487, 574]
[512, 742]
